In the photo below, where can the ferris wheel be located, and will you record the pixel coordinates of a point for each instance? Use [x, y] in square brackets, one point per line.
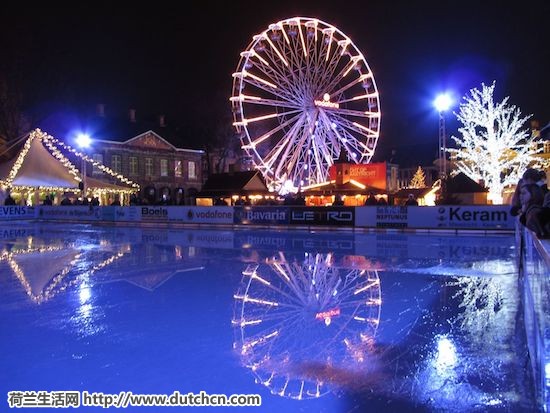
[302, 93]
[294, 319]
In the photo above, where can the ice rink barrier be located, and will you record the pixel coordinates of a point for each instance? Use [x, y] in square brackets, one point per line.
[448, 217]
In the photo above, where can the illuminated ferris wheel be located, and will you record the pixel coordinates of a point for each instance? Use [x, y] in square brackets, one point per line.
[294, 320]
[302, 93]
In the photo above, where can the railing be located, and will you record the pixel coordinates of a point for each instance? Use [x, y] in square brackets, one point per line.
[534, 271]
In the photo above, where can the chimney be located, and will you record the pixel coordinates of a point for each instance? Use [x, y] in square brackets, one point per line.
[162, 122]
[132, 115]
[100, 110]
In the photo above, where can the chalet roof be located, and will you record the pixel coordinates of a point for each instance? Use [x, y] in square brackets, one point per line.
[347, 188]
[417, 192]
[243, 182]
[462, 184]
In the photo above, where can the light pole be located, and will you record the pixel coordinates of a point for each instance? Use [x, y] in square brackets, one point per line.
[442, 103]
[83, 141]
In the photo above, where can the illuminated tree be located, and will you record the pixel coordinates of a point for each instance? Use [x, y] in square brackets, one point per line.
[419, 179]
[493, 149]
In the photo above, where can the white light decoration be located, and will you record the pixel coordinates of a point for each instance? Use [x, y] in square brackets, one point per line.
[493, 149]
[53, 145]
[309, 95]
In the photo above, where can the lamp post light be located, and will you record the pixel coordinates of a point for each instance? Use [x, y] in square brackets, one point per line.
[442, 103]
[83, 141]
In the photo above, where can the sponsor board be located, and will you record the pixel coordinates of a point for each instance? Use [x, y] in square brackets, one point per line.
[73, 213]
[197, 215]
[153, 213]
[462, 217]
[261, 215]
[338, 216]
[391, 217]
[208, 215]
[116, 213]
[10, 212]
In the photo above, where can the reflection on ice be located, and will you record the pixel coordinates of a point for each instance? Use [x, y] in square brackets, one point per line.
[426, 320]
[302, 322]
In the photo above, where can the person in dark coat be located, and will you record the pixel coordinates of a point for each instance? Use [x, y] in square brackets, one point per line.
[533, 214]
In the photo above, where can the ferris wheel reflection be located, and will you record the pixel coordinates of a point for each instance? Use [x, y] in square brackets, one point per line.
[300, 320]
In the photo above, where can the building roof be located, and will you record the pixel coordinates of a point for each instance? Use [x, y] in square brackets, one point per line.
[348, 188]
[462, 184]
[234, 183]
[65, 123]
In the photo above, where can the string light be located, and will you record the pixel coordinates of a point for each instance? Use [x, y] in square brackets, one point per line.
[53, 144]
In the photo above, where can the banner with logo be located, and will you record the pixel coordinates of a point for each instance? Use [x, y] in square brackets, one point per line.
[337, 216]
[391, 216]
[191, 215]
[116, 213]
[10, 212]
[261, 215]
[207, 215]
[487, 217]
[70, 213]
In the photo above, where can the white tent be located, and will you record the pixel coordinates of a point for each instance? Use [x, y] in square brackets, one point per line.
[42, 165]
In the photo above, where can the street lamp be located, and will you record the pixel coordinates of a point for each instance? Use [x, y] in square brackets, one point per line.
[83, 141]
[442, 103]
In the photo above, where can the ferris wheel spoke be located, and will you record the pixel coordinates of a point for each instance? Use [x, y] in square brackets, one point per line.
[276, 75]
[245, 121]
[293, 136]
[290, 279]
[257, 100]
[289, 162]
[356, 127]
[330, 78]
[257, 141]
[360, 97]
[336, 79]
[285, 142]
[355, 113]
[354, 82]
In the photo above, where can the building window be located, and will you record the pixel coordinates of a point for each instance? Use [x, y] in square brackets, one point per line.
[148, 167]
[163, 167]
[546, 147]
[116, 163]
[133, 165]
[178, 169]
[192, 171]
[97, 157]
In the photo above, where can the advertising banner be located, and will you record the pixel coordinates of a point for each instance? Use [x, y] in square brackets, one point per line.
[461, 217]
[194, 215]
[337, 216]
[391, 217]
[70, 213]
[207, 215]
[116, 213]
[10, 212]
[261, 215]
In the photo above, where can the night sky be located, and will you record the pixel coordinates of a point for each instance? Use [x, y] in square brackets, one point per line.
[162, 60]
